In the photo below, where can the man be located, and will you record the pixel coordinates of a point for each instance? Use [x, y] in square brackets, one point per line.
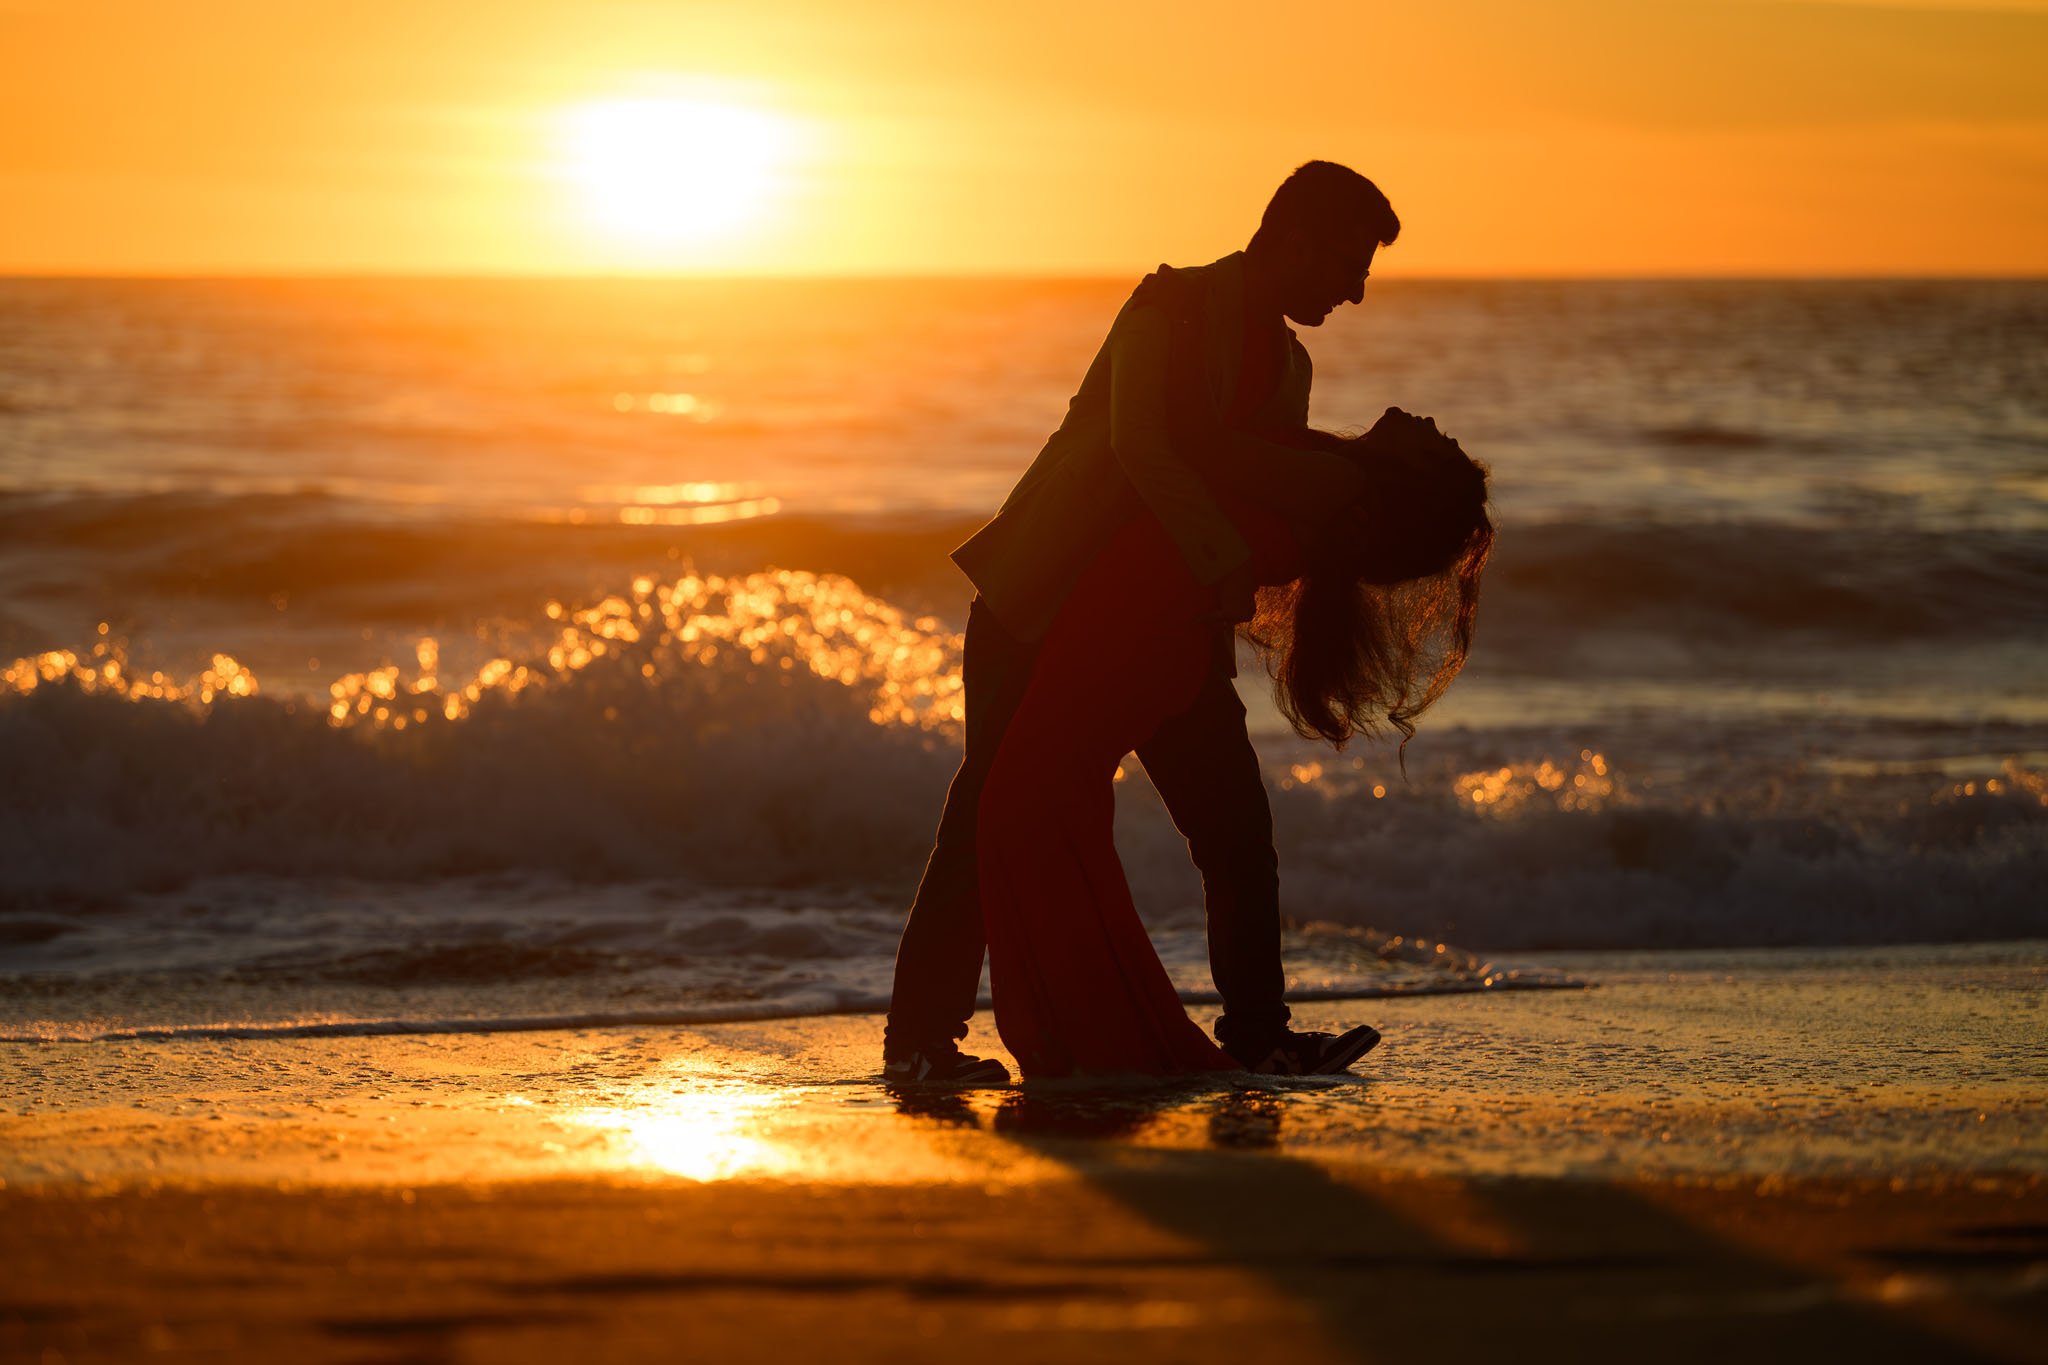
[1134, 436]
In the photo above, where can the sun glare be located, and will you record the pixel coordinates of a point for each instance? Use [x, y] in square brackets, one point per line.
[661, 173]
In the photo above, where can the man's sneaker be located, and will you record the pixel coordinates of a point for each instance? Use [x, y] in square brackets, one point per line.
[1308, 1054]
[943, 1065]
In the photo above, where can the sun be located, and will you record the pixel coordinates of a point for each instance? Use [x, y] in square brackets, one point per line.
[663, 173]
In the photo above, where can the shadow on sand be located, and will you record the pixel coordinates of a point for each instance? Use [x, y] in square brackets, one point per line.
[1425, 1268]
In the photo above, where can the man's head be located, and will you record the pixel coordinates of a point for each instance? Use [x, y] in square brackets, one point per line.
[1315, 244]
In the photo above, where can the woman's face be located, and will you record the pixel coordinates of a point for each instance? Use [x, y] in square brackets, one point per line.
[1405, 428]
[1405, 525]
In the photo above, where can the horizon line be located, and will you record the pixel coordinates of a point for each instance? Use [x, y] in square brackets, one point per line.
[1019, 276]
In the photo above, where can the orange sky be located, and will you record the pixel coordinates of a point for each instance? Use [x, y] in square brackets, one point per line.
[1069, 136]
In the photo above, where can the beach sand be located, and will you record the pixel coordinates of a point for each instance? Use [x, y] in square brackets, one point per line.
[1788, 1155]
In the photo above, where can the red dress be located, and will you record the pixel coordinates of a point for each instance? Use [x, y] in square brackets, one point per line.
[1076, 983]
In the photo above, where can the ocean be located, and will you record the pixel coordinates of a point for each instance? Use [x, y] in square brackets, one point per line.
[406, 654]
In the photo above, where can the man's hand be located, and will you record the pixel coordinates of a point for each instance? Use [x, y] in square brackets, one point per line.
[1236, 600]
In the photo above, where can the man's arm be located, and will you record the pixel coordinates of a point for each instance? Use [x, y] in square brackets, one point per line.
[1305, 486]
[1140, 436]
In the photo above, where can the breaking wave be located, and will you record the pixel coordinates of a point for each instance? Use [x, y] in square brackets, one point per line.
[785, 730]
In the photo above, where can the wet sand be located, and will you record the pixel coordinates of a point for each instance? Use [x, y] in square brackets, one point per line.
[1790, 1156]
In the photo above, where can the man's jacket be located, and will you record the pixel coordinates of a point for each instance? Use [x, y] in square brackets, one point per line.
[1132, 438]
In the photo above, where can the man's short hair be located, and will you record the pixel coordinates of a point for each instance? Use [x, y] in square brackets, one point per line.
[1321, 195]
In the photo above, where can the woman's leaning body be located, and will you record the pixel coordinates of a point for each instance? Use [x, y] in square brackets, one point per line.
[1077, 985]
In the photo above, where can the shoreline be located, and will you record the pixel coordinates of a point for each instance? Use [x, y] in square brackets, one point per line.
[1876, 1062]
[1821, 1161]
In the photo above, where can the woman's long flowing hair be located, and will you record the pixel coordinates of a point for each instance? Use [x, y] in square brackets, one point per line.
[1380, 622]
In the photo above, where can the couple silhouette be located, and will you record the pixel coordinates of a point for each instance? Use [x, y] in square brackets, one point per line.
[1183, 500]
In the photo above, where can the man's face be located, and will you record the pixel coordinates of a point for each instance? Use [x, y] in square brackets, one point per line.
[1329, 269]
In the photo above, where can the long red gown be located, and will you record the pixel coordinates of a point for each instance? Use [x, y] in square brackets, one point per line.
[1076, 984]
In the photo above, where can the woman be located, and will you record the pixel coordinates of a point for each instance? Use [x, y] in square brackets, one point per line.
[1369, 551]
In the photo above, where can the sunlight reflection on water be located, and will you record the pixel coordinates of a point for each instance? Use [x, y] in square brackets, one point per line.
[777, 621]
[706, 1135]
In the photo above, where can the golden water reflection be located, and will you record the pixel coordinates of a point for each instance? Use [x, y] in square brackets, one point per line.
[777, 621]
[705, 1135]
[670, 494]
[105, 668]
[711, 1129]
[704, 514]
[726, 1129]
[770, 625]
[693, 1119]
[1588, 785]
